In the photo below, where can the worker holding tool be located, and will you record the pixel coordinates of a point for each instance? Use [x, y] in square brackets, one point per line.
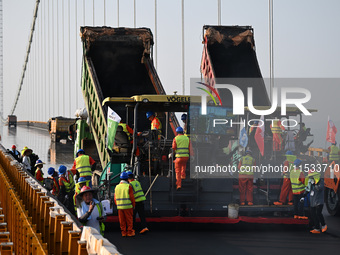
[125, 201]
[286, 189]
[39, 175]
[83, 164]
[277, 128]
[181, 147]
[155, 122]
[246, 177]
[139, 199]
[297, 180]
[315, 188]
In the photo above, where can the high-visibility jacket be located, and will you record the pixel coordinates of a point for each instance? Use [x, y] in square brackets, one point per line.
[126, 130]
[246, 164]
[83, 165]
[39, 175]
[182, 146]
[276, 127]
[122, 196]
[55, 189]
[290, 165]
[156, 124]
[69, 185]
[334, 153]
[137, 191]
[298, 186]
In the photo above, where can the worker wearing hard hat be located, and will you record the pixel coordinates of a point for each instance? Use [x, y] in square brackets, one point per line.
[297, 180]
[181, 147]
[246, 177]
[26, 160]
[39, 175]
[333, 153]
[82, 182]
[83, 165]
[139, 199]
[155, 122]
[184, 119]
[286, 188]
[67, 185]
[15, 153]
[125, 201]
[277, 128]
[55, 178]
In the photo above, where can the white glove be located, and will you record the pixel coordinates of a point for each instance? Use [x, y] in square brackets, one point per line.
[170, 155]
[302, 199]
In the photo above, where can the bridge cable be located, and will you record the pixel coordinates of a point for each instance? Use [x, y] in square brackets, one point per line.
[69, 57]
[104, 12]
[76, 33]
[155, 34]
[183, 60]
[26, 57]
[63, 58]
[58, 92]
[117, 13]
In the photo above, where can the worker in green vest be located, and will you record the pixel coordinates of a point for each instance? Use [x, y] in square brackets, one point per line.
[181, 147]
[83, 165]
[297, 180]
[246, 177]
[125, 201]
[139, 199]
[67, 185]
[333, 153]
[90, 213]
[79, 185]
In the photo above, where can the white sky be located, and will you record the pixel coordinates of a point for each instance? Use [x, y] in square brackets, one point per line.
[306, 45]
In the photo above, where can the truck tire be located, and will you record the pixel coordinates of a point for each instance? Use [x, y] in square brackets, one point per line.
[332, 201]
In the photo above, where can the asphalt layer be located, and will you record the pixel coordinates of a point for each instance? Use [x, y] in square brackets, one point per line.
[242, 238]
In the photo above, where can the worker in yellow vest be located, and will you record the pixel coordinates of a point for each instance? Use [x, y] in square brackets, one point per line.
[286, 188]
[181, 147]
[83, 165]
[333, 153]
[91, 213]
[297, 180]
[139, 199]
[66, 185]
[246, 177]
[125, 201]
[82, 182]
[277, 128]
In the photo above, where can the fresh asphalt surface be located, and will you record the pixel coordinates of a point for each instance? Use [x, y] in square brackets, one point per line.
[242, 238]
[184, 238]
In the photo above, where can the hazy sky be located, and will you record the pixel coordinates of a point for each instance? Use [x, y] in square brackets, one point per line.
[306, 45]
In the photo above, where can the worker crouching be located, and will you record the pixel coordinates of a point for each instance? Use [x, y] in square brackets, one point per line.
[125, 201]
[246, 177]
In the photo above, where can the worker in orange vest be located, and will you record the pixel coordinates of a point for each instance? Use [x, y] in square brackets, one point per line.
[246, 177]
[155, 122]
[277, 128]
[181, 147]
[286, 189]
[125, 201]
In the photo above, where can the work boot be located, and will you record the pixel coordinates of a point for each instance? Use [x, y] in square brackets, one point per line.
[178, 188]
[144, 230]
[123, 234]
[324, 228]
[132, 234]
[296, 216]
[290, 203]
[250, 203]
[315, 231]
[242, 203]
[278, 203]
[303, 218]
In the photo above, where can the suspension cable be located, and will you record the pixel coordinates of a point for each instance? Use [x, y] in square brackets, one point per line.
[27, 56]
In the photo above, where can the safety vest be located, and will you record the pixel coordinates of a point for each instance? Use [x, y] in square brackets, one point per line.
[122, 196]
[182, 143]
[69, 185]
[83, 166]
[276, 128]
[156, 124]
[247, 163]
[290, 159]
[101, 225]
[137, 191]
[42, 174]
[123, 125]
[297, 186]
[334, 153]
[55, 189]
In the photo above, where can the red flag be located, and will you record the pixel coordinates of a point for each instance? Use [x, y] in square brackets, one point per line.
[331, 132]
[259, 135]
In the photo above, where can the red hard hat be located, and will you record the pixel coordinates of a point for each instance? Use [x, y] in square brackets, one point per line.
[14, 147]
[85, 188]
